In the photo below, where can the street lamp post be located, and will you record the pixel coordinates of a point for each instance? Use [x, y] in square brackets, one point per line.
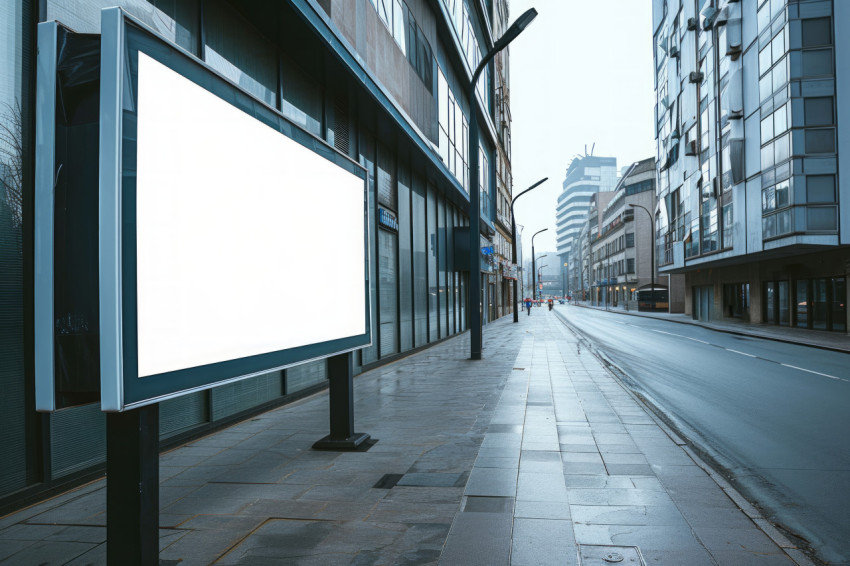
[536, 272]
[513, 239]
[540, 276]
[534, 265]
[475, 302]
[651, 250]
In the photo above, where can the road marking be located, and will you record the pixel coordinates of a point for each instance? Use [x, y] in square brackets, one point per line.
[668, 333]
[686, 337]
[742, 353]
[816, 372]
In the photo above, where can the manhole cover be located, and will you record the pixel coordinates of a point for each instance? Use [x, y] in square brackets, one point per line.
[603, 555]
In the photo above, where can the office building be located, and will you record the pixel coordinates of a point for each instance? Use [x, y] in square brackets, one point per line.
[753, 112]
[621, 255]
[586, 176]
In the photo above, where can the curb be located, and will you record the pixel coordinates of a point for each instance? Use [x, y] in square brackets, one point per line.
[727, 330]
[793, 552]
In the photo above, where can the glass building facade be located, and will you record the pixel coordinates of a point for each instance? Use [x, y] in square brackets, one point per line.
[751, 99]
[387, 94]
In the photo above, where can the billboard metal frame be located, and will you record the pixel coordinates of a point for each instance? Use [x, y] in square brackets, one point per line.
[122, 38]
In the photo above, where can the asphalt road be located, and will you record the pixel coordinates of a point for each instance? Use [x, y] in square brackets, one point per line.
[774, 416]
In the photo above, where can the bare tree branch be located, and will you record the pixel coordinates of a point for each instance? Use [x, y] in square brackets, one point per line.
[12, 161]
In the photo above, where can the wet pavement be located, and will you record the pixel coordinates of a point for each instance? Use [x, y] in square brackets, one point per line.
[534, 455]
[828, 340]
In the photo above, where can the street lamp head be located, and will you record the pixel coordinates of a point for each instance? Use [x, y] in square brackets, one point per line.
[532, 238]
[516, 28]
[540, 182]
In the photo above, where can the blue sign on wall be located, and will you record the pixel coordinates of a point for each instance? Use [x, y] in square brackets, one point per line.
[387, 219]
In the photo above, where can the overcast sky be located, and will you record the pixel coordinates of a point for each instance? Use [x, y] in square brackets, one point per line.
[580, 73]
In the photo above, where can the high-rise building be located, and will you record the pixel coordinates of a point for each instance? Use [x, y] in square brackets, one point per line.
[586, 176]
[620, 263]
[753, 110]
[501, 281]
[379, 84]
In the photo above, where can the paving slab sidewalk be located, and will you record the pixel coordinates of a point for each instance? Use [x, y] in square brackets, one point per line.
[534, 455]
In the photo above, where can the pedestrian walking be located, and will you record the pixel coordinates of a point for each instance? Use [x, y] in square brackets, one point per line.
[528, 305]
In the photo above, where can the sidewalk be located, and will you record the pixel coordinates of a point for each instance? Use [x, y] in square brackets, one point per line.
[838, 341]
[533, 455]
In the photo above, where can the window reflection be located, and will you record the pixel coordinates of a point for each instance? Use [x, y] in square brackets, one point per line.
[236, 51]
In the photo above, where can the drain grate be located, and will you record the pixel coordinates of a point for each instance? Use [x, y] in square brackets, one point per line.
[605, 555]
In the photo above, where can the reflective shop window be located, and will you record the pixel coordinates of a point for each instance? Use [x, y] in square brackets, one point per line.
[839, 303]
[14, 87]
[176, 20]
[301, 97]
[239, 52]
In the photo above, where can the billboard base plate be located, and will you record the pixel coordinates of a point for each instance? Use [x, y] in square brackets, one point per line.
[359, 441]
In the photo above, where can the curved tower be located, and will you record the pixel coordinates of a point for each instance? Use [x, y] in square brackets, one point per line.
[585, 176]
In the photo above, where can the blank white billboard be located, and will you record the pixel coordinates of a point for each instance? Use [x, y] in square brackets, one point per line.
[247, 241]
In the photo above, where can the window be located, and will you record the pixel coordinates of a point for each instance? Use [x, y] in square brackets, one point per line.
[484, 182]
[773, 65]
[768, 199]
[820, 188]
[767, 128]
[817, 62]
[640, 187]
[782, 148]
[818, 111]
[301, 97]
[820, 141]
[453, 131]
[774, 124]
[821, 218]
[817, 32]
[236, 51]
[398, 25]
[630, 265]
[782, 194]
[728, 223]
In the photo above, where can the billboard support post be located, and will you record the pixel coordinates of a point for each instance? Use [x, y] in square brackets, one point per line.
[341, 394]
[132, 489]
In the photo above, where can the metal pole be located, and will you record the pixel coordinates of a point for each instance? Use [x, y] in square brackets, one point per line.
[540, 276]
[513, 239]
[475, 302]
[651, 251]
[341, 399]
[475, 306]
[132, 486]
[533, 274]
[534, 265]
